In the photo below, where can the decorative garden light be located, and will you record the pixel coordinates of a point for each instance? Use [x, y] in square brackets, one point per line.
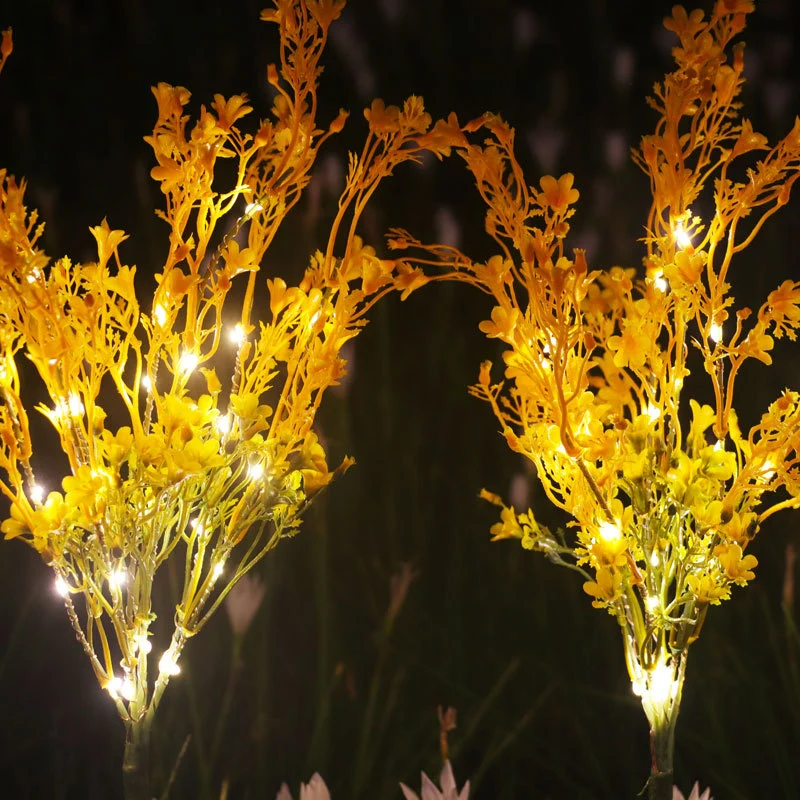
[159, 425]
[662, 518]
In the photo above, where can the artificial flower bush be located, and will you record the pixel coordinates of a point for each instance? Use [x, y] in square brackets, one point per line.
[186, 416]
[665, 492]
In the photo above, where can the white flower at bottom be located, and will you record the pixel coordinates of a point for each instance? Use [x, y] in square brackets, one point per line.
[429, 791]
[315, 790]
[677, 794]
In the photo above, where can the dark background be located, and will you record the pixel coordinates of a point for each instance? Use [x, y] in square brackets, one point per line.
[537, 675]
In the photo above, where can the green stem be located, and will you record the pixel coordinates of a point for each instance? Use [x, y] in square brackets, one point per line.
[135, 762]
[662, 749]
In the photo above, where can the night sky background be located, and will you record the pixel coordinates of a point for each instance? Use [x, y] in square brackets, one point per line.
[537, 675]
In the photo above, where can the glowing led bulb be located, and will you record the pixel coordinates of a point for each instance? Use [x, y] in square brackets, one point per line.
[609, 532]
[113, 686]
[256, 471]
[661, 682]
[660, 283]
[75, 405]
[160, 315]
[127, 690]
[217, 571]
[652, 602]
[168, 665]
[143, 643]
[715, 332]
[654, 559]
[147, 384]
[768, 470]
[223, 424]
[682, 238]
[61, 586]
[237, 334]
[653, 411]
[252, 208]
[719, 445]
[188, 361]
[36, 493]
[117, 578]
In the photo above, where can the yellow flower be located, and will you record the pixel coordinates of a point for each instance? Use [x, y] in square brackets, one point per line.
[686, 269]
[86, 491]
[741, 527]
[609, 551]
[606, 588]
[632, 345]
[238, 260]
[717, 464]
[117, 447]
[183, 416]
[784, 308]
[507, 528]
[313, 465]
[707, 588]
[706, 515]
[251, 413]
[739, 568]
[20, 522]
[502, 324]
[382, 120]
[194, 457]
[559, 194]
[231, 110]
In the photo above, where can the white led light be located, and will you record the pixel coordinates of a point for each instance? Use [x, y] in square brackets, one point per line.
[147, 384]
[188, 361]
[252, 208]
[217, 571]
[682, 239]
[36, 493]
[237, 334]
[654, 559]
[127, 690]
[168, 665]
[113, 687]
[160, 315]
[144, 644]
[652, 603]
[653, 411]
[256, 471]
[661, 683]
[75, 405]
[609, 532]
[61, 586]
[660, 283]
[223, 424]
[715, 332]
[117, 578]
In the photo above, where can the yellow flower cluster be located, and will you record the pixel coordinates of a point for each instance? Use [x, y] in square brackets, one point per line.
[186, 422]
[663, 505]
